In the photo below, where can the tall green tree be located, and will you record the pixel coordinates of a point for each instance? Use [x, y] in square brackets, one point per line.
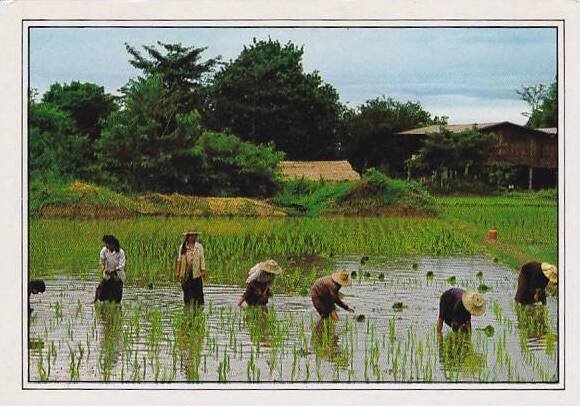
[451, 156]
[148, 145]
[141, 150]
[55, 146]
[545, 114]
[87, 103]
[367, 135]
[181, 70]
[265, 96]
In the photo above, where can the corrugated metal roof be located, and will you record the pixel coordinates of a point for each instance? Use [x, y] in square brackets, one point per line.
[548, 130]
[454, 128]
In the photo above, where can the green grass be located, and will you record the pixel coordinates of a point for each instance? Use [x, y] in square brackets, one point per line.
[302, 245]
[374, 194]
[311, 198]
[526, 225]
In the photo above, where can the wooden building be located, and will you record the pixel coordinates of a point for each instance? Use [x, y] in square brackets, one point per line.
[536, 150]
[333, 171]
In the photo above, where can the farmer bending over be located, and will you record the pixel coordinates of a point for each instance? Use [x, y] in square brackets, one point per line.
[456, 308]
[35, 287]
[258, 283]
[324, 294]
[112, 258]
[532, 282]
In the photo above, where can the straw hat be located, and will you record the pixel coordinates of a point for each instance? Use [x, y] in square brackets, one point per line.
[550, 271]
[473, 302]
[270, 266]
[191, 232]
[342, 278]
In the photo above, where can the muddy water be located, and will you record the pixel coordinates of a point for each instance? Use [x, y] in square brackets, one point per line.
[150, 338]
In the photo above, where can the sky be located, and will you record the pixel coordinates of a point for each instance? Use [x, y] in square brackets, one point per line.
[468, 74]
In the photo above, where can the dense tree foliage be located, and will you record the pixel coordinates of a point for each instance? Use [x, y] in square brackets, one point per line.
[367, 135]
[232, 167]
[56, 147]
[446, 157]
[181, 126]
[141, 151]
[138, 150]
[87, 103]
[545, 114]
[180, 69]
[265, 96]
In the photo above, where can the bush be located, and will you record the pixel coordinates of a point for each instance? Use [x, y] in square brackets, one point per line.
[374, 194]
[379, 188]
[65, 192]
[232, 167]
[310, 198]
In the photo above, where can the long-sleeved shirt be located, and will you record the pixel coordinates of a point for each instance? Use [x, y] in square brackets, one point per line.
[324, 294]
[451, 309]
[194, 260]
[531, 279]
[112, 260]
[257, 286]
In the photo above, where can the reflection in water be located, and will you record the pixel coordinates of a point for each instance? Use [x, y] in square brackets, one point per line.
[110, 315]
[160, 341]
[456, 355]
[190, 332]
[260, 324]
[534, 327]
[325, 342]
[532, 320]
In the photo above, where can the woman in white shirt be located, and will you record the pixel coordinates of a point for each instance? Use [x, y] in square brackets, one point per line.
[190, 269]
[112, 259]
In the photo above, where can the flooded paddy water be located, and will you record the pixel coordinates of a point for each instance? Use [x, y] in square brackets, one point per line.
[151, 338]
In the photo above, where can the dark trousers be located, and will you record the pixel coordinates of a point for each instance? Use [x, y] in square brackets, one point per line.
[324, 306]
[193, 291]
[110, 290]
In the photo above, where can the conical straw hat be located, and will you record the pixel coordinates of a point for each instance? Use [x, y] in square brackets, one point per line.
[474, 302]
[270, 266]
[191, 232]
[550, 271]
[342, 278]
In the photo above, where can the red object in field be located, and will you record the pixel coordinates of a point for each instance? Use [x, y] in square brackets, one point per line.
[492, 235]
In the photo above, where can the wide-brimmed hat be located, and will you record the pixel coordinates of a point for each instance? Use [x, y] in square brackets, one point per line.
[342, 278]
[550, 271]
[270, 266]
[474, 302]
[191, 232]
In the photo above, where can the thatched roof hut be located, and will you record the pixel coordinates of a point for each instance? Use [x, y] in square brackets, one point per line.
[333, 171]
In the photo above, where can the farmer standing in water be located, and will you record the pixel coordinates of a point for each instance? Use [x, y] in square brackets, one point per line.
[190, 269]
[112, 259]
[324, 294]
[532, 282]
[456, 307]
[35, 287]
[258, 284]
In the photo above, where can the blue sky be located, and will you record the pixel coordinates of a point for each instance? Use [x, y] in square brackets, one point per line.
[468, 74]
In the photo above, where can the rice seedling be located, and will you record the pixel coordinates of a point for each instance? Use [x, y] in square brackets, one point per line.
[452, 280]
[152, 338]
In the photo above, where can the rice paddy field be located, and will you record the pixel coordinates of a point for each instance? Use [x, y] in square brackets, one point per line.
[400, 267]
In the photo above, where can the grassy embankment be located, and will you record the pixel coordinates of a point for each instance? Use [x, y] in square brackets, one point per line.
[374, 195]
[150, 227]
[79, 200]
[303, 246]
[527, 224]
